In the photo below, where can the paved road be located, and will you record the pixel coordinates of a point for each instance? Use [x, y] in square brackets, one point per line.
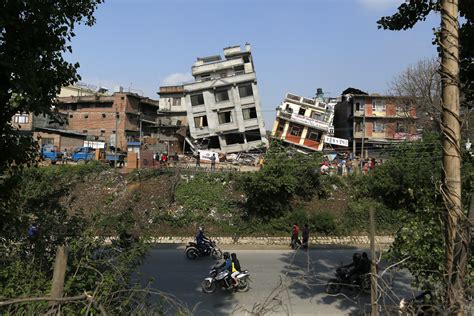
[290, 282]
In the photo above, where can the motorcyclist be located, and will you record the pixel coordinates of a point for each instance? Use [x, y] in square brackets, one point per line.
[235, 269]
[356, 271]
[366, 264]
[226, 265]
[202, 241]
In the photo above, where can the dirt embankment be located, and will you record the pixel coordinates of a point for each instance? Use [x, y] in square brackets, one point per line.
[139, 202]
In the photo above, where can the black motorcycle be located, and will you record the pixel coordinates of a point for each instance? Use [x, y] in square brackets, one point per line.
[342, 281]
[224, 280]
[209, 249]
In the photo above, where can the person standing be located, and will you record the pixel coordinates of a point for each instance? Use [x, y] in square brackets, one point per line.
[65, 154]
[198, 160]
[305, 236]
[295, 231]
[213, 162]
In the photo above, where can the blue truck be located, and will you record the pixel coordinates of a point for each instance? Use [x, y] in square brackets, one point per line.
[51, 153]
[85, 154]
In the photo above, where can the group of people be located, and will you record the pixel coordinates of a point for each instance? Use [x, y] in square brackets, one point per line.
[231, 263]
[359, 266]
[212, 159]
[163, 158]
[295, 240]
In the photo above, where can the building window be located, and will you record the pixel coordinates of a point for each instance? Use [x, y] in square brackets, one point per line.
[221, 95]
[296, 131]
[102, 132]
[176, 101]
[378, 105]
[317, 116]
[253, 135]
[234, 138]
[225, 117]
[86, 116]
[288, 109]
[401, 128]
[71, 116]
[301, 111]
[200, 121]
[47, 141]
[205, 77]
[197, 99]
[84, 131]
[378, 127]
[104, 115]
[246, 58]
[245, 90]
[223, 74]
[359, 106]
[249, 113]
[239, 70]
[21, 118]
[358, 127]
[314, 136]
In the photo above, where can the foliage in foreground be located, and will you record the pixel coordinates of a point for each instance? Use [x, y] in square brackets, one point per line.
[95, 267]
[408, 184]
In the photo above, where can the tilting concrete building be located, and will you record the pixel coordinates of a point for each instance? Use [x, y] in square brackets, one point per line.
[223, 103]
[304, 122]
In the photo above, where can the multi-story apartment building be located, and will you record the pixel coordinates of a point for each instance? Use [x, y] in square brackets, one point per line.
[303, 121]
[172, 120]
[223, 103]
[386, 119]
[113, 119]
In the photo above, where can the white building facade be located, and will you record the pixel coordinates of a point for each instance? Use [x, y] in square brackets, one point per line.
[223, 104]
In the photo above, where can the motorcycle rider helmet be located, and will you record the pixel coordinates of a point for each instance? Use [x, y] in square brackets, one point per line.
[356, 257]
[226, 255]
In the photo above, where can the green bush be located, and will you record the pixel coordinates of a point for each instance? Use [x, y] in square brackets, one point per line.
[324, 223]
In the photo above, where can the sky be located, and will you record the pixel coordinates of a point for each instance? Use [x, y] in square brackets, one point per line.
[297, 45]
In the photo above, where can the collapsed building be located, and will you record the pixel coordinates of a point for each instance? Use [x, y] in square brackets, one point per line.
[223, 104]
[304, 122]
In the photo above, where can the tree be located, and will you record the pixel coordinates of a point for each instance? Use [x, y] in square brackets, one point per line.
[33, 37]
[285, 175]
[457, 232]
[420, 85]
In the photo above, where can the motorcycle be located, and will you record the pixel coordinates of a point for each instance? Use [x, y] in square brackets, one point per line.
[224, 281]
[193, 251]
[342, 281]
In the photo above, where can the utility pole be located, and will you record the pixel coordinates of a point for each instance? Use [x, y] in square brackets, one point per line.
[116, 139]
[457, 243]
[373, 267]
[363, 140]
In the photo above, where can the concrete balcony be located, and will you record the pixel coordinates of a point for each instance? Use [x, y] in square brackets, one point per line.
[216, 66]
[303, 120]
[210, 84]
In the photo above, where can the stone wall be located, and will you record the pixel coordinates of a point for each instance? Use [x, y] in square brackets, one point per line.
[347, 240]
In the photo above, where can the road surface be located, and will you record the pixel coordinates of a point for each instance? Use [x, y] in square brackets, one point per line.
[283, 282]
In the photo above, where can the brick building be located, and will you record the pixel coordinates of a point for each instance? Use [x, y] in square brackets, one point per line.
[387, 119]
[122, 116]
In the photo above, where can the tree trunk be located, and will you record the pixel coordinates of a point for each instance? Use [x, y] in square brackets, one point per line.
[451, 186]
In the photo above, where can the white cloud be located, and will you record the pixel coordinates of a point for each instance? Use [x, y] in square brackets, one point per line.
[381, 5]
[176, 79]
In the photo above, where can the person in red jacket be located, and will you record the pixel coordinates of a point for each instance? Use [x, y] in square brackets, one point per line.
[295, 241]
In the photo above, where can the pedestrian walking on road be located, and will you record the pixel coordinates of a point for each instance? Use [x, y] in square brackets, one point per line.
[305, 236]
[65, 154]
[295, 241]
